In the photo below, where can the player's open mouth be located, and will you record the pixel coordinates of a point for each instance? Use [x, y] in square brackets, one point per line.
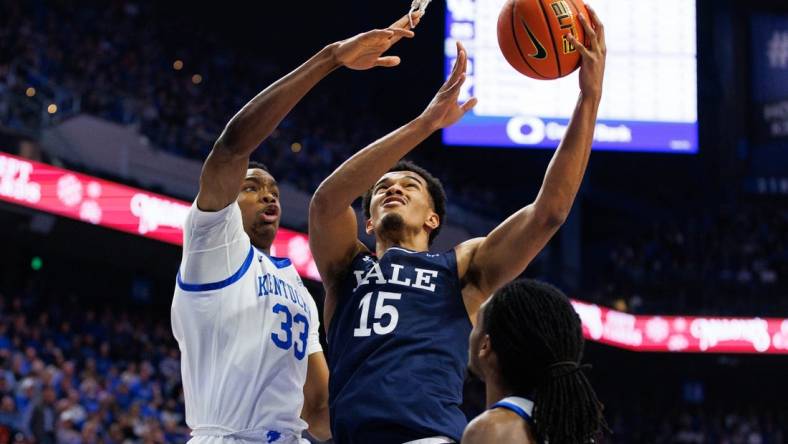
[269, 215]
[393, 201]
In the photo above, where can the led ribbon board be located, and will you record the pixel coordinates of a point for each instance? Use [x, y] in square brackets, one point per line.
[131, 210]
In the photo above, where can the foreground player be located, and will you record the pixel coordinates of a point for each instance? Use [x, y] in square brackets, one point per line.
[398, 318]
[526, 346]
[244, 320]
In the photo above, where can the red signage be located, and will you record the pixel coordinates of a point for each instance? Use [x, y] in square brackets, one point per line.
[139, 212]
[683, 333]
[101, 202]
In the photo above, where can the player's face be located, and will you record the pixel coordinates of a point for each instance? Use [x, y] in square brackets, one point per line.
[259, 202]
[401, 200]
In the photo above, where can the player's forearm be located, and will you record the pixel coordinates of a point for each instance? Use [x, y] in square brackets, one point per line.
[567, 168]
[319, 424]
[261, 115]
[359, 173]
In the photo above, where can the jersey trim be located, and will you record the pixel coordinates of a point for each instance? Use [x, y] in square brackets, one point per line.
[521, 406]
[405, 250]
[279, 262]
[221, 284]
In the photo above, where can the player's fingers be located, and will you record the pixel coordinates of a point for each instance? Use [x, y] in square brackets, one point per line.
[580, 47]
[404, 21]
[399, 33]
[590, 33]
[454, 89]
[461, 51]
[379, 33]
[597, 24]
[388, 61]
[599, 27]
[467, 106]
[461, 64]
[415, 18]
[456, 70]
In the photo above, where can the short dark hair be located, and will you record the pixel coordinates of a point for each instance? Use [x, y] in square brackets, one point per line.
[538, 339]
[434, 188]
[253, 164]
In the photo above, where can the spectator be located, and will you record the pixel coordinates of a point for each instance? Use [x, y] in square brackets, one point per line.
[44, 419]
[9, 415]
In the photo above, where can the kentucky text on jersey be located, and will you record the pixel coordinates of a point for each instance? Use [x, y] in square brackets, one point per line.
[268, 285]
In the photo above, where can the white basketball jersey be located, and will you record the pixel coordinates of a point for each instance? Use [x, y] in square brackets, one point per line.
[245, 325]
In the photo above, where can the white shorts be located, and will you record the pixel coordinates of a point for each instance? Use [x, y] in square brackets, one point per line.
[217, 436]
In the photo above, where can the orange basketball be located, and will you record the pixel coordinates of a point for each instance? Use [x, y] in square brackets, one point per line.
[532, 36]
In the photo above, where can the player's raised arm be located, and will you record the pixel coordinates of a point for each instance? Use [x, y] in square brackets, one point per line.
[332, 221]
[226, 164]
[510, 247]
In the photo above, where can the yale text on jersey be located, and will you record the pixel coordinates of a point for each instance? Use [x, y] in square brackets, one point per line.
[400, 275]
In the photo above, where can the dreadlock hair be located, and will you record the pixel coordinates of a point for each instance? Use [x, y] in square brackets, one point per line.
[434, 188]
[258, 165]
[538, 339]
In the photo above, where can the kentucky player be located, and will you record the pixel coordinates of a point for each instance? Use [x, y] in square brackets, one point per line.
[252, 365]
[399, 318]
[526, 346]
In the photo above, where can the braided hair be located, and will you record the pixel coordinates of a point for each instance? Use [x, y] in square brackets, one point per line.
[538, 339]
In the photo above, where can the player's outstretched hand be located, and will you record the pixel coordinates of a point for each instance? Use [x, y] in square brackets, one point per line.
[444, 111]
[592, 67]
[365, 50]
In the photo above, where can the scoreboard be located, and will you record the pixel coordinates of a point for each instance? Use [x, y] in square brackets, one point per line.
[650, 90]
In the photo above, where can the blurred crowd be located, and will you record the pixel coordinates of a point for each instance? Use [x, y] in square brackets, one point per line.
[688, 424]
[70, 374]
[733, 260]
[117, 61]
[73, 374]
[117, 64]
[78, 376]
[120, 62]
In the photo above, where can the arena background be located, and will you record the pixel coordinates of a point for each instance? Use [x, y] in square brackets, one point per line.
[85, 307]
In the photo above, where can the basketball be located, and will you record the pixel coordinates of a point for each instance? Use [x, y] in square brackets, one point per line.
[532, 35]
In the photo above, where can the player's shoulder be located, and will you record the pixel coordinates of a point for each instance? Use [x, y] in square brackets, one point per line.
[281, 266]
[466, 250]
[196, 215]
[470, 244]
[496, 426]
[359, 257]
[464, 253]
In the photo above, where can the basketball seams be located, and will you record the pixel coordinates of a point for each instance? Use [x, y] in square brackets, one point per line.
[552, 38]
[515, 16]
[527, 27]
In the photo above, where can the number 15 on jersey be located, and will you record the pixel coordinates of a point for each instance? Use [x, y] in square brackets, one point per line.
[382, 310]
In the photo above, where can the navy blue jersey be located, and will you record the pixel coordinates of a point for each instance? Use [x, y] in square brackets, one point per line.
[398, 349]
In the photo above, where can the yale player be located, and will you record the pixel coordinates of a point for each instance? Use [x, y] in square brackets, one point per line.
[398, 317]
[526, 346]
[252, 366]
